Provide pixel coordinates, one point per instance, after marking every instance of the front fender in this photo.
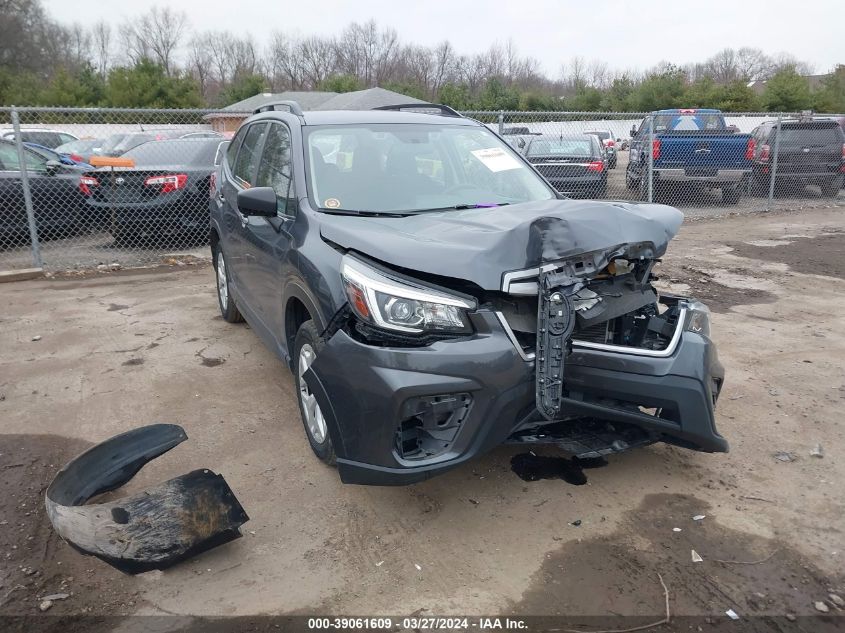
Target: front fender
(153, 529)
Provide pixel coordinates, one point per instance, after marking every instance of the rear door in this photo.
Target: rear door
(267, 241)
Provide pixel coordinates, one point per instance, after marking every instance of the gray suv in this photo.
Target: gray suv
(434, 297)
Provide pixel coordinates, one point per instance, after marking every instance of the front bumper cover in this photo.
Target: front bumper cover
(363, 391)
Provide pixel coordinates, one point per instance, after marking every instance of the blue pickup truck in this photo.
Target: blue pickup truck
(691, 148)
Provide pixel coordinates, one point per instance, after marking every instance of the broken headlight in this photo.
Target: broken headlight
(400, 305)
(698, 318)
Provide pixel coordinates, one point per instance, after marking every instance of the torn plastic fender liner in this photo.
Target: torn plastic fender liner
(153, 529)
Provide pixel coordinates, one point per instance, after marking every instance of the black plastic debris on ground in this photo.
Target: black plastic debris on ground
(531, 467)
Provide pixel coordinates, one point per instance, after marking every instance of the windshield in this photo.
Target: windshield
(414, 167)
(580, 148)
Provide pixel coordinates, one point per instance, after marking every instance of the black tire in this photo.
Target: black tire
(731, 195)
(124, 238)
(308, 335)
(759, 186)
(831, 188)
(631, 183)
(228, 308)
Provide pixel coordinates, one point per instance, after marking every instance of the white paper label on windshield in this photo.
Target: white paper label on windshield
(496, 159)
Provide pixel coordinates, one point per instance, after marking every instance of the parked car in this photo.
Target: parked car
(51, 154)
(80, 151)
(47, 138)
(54, 187)
(134, 139)
(810, 152)
(692, 148)
(434, 297)
(574, 165)
(164, 194)
(607, 140)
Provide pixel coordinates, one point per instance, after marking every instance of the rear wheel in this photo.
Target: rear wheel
(731, 195)
(228, 309)
(831, 188)
(631, 183)
(307, 346)
(123, 237)
(759, 186)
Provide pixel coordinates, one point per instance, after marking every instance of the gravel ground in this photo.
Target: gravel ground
(118, 350)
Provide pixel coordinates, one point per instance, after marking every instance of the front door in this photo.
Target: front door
(267, 241)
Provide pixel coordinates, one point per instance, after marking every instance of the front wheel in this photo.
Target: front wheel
(228, 309)
(307, 346)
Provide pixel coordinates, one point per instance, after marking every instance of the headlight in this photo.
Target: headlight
(400, 305)
(698, 318)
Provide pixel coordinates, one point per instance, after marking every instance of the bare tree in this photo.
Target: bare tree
(101, 44)
(574, 74)
(155, 35)
(367, 52)
(201, 62)
(283, 63)
(317, 58)
(444, 66)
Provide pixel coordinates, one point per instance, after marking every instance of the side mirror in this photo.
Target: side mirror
(258, 201)
(52, 166)
(633, 131)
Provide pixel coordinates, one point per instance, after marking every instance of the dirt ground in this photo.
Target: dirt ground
(122, 350)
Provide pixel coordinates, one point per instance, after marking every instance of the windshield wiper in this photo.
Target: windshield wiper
(368, 214)
(465, 205)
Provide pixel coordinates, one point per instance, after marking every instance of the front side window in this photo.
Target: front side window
(415, 167)
(249, 153)
(274, 170)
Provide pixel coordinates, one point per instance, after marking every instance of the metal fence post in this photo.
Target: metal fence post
(774, 165)
(651, 159)
(501, 122)
(27, 194)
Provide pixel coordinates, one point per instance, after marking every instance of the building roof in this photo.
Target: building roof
(307, 100)
(313, 101)
(363, 100)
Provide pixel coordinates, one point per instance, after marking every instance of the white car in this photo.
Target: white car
(41, 136)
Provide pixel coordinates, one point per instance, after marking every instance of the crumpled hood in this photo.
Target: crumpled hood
(478, 245)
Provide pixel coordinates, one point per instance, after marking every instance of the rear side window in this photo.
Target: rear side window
(249, 153)
(275, 169)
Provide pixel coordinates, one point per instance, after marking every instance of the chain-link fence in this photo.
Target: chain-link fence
(81, 188)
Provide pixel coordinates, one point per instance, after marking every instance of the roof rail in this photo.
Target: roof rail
(444, 109)
(291, 106)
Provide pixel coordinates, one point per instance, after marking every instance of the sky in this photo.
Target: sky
(622, 34)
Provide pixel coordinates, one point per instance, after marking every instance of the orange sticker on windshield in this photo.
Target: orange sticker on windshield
(332, 203)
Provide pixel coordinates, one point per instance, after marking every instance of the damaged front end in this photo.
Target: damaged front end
(572, 346)
(600, 311)
(152, 529)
